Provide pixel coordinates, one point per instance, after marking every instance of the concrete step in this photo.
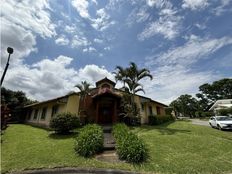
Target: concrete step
(109, 142)
(107, 129)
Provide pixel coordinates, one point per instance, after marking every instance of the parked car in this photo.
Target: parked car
(221, 122)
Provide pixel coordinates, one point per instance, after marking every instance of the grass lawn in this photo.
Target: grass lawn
(179, 147)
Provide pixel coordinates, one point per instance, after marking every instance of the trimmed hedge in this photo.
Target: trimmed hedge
(63, 123)
(90, 140)
(128, 146)
(159, 119)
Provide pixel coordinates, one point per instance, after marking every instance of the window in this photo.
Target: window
(158, 110)
(54, 109)
(29, 114)
(150, 110)
(142, 106)
(44, 112)
(35, 114)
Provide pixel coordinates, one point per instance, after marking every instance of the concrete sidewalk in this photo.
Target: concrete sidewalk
(200, 122)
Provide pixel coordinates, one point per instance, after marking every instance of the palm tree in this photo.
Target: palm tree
(84, 88)
(134, 75)
(131, 76)
(120, 75)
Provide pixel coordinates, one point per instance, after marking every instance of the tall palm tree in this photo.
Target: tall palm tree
(84, 88)
(134, 75)
(120, 74)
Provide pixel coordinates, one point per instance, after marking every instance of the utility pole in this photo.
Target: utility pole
(10, 51)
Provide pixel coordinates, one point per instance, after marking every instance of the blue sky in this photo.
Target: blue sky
(184, 43)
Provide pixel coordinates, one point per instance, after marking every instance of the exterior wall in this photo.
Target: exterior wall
(146, 111)
(69, 104)
(73, 104)
(38, 120)
(44, 122)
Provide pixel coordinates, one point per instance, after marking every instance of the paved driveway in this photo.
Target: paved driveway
(200, 122)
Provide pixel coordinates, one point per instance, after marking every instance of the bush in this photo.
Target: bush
(128, 146)
(201, 114)
(159, 119)
(226, 111)
(119, 130)
(89, 141)
(63, 123)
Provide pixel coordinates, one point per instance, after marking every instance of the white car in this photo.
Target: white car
(221, 122)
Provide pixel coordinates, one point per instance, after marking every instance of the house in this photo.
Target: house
(102, 106)
(221, 104)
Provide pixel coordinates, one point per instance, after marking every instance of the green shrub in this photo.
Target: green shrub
(226, 111)
(119, 130)
(128, 146)
(89, 141)
(63, 123)
(202, 114)
(159, 119)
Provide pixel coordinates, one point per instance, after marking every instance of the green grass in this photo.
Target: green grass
(178, 147)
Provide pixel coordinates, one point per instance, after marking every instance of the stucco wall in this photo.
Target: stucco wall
(46, 121)
(73, 104)
(146, 111)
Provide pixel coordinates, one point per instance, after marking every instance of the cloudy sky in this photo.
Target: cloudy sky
(58, 44)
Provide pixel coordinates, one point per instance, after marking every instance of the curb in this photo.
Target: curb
(74, 171)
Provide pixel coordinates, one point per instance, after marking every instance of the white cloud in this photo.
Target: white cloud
(31, 15)
(167, 25)
(21, 40)
(172, 81)
(82, 7)
(89, 49)
(98, 40)
(70, 29)
(62, 40)
(79, 41)
(103, 21)
(159, 3)
(42, 81)
(93, 73)
(195, 4)
(200, 26)
(138, 15)
(192, 51)
(219, 10)
(173, 75)
(107, 48)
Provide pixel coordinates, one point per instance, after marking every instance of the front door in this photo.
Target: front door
(105, 115)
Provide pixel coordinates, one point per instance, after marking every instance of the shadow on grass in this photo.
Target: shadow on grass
(163, 129)
(54, 135)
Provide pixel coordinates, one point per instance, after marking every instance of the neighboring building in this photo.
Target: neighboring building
(102, 106)
(221, 104)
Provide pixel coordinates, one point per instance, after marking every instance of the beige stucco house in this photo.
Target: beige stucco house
(102, 106)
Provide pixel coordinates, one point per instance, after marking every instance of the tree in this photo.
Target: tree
(131, 76)
(210, 93)
(120, 74)
(134, 75)
(14, 99)
(185, 105)
(12, 103)
(84, 88)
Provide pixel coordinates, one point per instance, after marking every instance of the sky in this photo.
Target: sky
(57, 44)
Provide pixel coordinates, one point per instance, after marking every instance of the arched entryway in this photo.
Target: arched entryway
(106, 108)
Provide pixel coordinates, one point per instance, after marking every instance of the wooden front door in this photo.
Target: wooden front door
(105, 115)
